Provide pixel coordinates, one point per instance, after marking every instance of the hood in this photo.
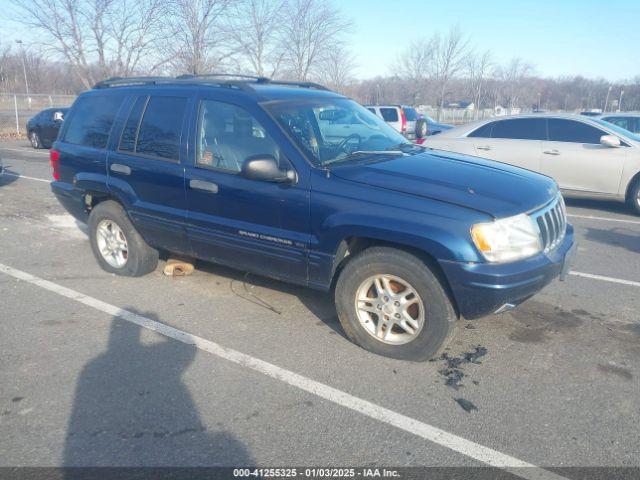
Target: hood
(493, 188)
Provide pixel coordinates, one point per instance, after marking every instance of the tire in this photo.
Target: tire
(34, 138)
(421, 128)
(139, 259)
(438, 318)
(633, 199)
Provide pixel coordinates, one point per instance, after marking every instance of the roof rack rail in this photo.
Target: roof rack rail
(123, 81)
(256, 79)
(189, 76)
(292, 83)
(233, 80)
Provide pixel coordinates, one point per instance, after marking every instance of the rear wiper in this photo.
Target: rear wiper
(362, 153)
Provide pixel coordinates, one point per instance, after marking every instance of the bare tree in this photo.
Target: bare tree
(478, 68)
(338, 68)
(449, 53)
(198, 43)
(415, 65)
(311, 28)
(98, 38)
(416, 61)
(513, 77)
(135, 37)
(254, 29)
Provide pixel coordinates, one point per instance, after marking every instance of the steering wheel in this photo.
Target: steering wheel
(345, 141)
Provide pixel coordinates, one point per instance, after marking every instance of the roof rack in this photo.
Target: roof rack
(126, 81)
(189, 76)
(244, 81)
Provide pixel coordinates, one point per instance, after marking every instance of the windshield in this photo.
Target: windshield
(619, 130)
(336, 129)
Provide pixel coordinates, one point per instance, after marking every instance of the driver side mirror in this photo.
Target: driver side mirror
(266, 169)
(610, 141)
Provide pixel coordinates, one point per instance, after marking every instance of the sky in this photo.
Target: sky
(593, 38)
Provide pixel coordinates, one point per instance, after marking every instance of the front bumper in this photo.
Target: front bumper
(482, 288)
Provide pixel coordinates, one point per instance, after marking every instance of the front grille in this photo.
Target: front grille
(552, 222)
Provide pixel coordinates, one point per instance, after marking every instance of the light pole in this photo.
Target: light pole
(24, 67)
(606, 102)
(620, 100)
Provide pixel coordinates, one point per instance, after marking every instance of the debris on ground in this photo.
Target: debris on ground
(470, 326)
(178, 268)
(453, 373)
(466, 405)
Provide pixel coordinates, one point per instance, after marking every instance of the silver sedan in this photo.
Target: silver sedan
(586, 156)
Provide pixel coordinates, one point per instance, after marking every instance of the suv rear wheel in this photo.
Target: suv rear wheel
(116, 244)
(390, 303)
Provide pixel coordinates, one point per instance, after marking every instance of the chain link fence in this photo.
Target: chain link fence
(459, 116)
(17, 108)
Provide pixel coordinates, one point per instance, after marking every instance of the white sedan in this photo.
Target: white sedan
(587, 157)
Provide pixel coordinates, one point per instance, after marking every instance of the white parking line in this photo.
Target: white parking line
(369, 409)
(603, 219)
(25, 177)
(606, 279)
(26, 150)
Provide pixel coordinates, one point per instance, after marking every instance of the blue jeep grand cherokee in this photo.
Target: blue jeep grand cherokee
(298, 183)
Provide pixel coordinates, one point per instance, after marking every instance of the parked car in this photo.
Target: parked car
(586, 156)
(403, 119)
(434, 127)
(628, 120)
(42, 129)
(243, 173)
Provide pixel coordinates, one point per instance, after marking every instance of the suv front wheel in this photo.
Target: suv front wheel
(116, 244)
(390, 303)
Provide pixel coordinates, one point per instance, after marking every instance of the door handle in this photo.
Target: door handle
(204, 186)
(119, 168)
(551, 152)
(484, 147)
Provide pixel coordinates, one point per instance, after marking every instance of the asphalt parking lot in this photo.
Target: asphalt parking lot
(257, 372)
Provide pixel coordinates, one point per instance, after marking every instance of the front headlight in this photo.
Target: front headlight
(507, 239)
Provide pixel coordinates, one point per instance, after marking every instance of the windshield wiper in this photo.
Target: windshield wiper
(362, 153)
(403, 147)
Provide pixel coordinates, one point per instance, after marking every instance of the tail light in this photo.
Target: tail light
(403, 119)
(54, 158)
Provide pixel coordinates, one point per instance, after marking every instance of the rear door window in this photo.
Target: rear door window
(520, 129)
(91, 120)
(161, 127)
(389, 114)
(130, 131)
(563, 130)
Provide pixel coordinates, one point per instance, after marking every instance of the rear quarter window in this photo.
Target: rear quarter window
(483, 132)
(389, 114)
(91, 120)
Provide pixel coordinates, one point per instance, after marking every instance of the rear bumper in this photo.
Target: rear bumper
(71, 199)
(482, 288)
